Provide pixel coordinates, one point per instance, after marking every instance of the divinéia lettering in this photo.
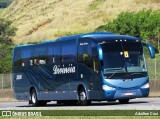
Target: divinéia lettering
(63, 70)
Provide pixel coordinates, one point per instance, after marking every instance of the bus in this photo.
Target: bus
(78, 69)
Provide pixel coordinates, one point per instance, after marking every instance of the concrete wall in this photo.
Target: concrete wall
(154, 87)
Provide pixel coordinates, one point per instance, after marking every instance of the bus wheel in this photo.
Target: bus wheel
(34, 99)
(123, 101)
(82, 98)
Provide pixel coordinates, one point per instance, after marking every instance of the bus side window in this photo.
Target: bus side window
(69, 51)
(39, 61)
(57, 53)
(84, 53)
(40, 57)
(50, 53)
(18, 58)
(26, 54)
(85, 57)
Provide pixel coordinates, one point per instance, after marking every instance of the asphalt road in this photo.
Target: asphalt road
(134, 104)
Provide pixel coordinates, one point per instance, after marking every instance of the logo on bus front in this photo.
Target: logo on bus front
(64, 70)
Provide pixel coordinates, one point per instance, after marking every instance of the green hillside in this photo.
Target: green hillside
(38, 20)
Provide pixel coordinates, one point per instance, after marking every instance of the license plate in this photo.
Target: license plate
(128, 93)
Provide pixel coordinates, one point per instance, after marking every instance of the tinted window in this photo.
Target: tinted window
(17, 57)
(40, 56)
(123, 56)
(69, 51)
(57, 53)
(26, 54)
(85, 51)
(51, 53)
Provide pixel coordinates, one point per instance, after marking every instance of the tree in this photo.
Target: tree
(144, 24)
(5, 58)
(7, 31)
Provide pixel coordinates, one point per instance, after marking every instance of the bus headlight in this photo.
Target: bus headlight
(105, 87)
(145, 86)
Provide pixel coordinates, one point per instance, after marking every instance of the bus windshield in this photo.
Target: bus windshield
(123, 57)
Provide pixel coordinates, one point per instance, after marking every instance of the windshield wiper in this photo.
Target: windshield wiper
(119, 71)
(113, 69)
(133, 74)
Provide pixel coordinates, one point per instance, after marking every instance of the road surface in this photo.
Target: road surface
(134, 104)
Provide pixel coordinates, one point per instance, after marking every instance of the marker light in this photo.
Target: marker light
(105, 87)
(100, 53)
(145, 86)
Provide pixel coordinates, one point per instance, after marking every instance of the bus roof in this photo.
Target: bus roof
(97, 36)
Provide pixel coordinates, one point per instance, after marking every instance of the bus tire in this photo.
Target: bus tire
(82, 96)
(123, 101)
(34, 99)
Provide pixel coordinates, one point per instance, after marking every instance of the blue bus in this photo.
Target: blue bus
(78, 69)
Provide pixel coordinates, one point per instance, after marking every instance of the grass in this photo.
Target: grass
(95, 4)
(2, 11)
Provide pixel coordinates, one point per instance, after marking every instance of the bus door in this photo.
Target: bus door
(96, 68)
(87, 64)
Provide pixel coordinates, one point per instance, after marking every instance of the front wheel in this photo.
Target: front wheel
(83, 98)
(123, 101)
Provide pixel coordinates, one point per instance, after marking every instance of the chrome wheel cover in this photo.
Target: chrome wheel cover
(82, 96)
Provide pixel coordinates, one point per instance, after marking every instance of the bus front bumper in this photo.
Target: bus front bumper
(126, 94)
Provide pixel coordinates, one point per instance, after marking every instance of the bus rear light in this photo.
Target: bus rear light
(105, 87)
(145, 86)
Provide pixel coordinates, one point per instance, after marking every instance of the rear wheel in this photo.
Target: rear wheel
(123, 101)
(34, 100)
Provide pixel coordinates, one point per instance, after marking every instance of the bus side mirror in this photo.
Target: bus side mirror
(150, 48)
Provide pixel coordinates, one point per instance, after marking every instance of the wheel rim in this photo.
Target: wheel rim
(33, 97)
(82, 96)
